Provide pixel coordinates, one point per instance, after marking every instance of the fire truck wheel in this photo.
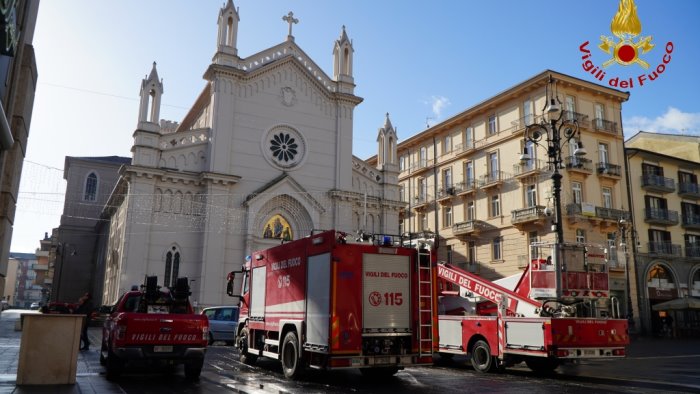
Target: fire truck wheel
(291, 360)
(193, 369)
(114, 366)
(245, 357)
(542, 365)
(482, 360)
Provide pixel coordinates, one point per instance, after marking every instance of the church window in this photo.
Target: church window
(90, 187)
(283, 147)
(172, 267)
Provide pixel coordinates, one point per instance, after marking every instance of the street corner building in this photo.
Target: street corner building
(263, 155)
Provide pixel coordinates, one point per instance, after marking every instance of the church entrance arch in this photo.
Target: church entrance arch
(661, 286)
(282, 218)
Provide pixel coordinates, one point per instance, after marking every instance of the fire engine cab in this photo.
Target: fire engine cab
(325, 302)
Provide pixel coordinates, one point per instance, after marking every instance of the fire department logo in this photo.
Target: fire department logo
(375, 298)
(625, 49)
(626, 27)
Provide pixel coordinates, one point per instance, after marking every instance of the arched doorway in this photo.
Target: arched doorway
(661, 287)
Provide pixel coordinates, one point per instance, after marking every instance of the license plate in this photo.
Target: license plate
(589, 352)
(162, 349)
(382, 360)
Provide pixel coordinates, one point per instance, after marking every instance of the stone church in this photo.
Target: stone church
(263, 155)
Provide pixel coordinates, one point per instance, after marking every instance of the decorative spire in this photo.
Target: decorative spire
(387, 123)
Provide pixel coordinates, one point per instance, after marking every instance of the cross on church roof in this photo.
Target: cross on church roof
(291, 20)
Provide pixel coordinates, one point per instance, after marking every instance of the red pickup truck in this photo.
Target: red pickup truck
(154, 325)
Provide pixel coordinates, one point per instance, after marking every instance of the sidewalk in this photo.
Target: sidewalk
(89, 377)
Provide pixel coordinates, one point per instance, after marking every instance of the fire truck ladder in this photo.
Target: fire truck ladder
(425, 303)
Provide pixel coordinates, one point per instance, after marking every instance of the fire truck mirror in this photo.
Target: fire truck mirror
(229, 284)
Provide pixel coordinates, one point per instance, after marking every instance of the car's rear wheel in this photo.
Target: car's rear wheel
(114, 366)
(193, 369)
(211, 339)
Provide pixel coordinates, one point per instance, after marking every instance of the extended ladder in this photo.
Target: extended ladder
(425, 301)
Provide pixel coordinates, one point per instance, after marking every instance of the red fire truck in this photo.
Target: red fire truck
(324, 302)
(540, 322)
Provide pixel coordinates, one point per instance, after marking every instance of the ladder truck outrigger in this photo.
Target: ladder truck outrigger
(534, 322)
(326, 302)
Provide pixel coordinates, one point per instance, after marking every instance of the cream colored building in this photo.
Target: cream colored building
(263, 155)
(463, 179)
(665, 201)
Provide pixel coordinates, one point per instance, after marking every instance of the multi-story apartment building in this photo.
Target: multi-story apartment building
(665, 202)
(463, 178)
(18, 75)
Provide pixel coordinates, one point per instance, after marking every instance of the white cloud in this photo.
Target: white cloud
(437, 104)
(673, 121)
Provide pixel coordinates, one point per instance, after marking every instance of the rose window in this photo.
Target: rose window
(283, 147)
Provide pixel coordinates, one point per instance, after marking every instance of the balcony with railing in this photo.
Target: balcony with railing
(421, 165)
(687, 189)
(609, 170)
(445, 193)
(580, 118)
(692, 251)
(467, 227)
(612, 214)
(578, 164)
(523, 122)
(463, 149)
(664, 248)
(664, 217)
(691, 221)
(599, 215)
(421, 201)
(607, 126)
(529, 215)
(528, 168)
(465, 188)
(492, 179)
(658, 183)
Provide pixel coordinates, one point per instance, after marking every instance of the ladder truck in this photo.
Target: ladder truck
(325, 302)
(534, 322)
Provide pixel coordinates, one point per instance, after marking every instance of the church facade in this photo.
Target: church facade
(263, 155)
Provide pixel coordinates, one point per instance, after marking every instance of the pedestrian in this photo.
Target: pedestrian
(668, 322)
(85, 308)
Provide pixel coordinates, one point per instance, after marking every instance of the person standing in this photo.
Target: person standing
(85, 308)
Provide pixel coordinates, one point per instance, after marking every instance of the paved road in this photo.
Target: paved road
(653, 366)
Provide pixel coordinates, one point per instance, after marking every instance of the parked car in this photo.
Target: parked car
(223, 321)
(34, 306)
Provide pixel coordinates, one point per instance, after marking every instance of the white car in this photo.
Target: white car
(34, 306)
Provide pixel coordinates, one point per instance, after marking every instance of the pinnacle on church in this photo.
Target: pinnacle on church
(154, 73)
(343, 36)
(387, 123)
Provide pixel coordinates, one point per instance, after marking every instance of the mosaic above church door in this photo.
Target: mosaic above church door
(278, 227)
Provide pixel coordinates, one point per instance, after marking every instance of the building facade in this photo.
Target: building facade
(18, 76)
(463, 179)
(75, 244)
(665, 202)
(264, 155)
(27, 289)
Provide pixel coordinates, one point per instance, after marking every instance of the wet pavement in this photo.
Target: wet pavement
(652, 365)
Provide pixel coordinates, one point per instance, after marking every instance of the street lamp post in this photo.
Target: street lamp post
(623, 227)
(552, 132)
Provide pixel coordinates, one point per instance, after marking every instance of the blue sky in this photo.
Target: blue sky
(420, 61)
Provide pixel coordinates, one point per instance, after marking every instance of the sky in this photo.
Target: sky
(422, 62)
